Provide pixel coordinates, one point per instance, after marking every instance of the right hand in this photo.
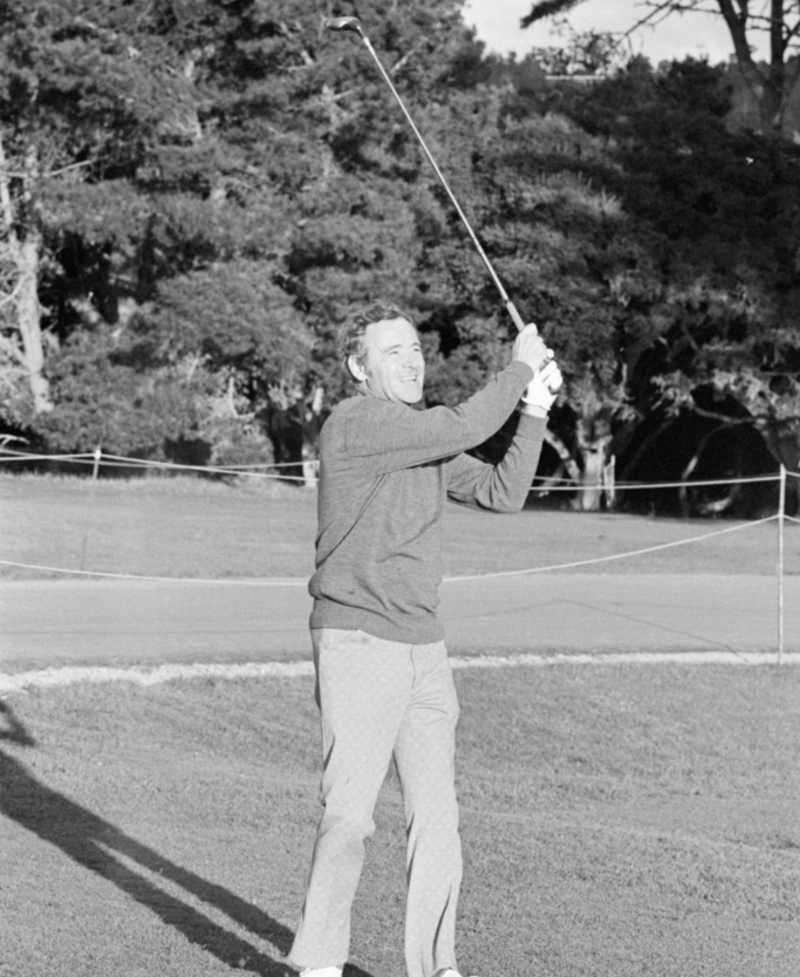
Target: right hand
(531, 349)
(542, 391)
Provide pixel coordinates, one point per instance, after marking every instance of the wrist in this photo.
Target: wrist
(533, 410)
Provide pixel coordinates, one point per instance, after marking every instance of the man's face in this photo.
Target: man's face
(394, 367)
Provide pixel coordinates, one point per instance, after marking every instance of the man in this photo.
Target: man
(384, 686)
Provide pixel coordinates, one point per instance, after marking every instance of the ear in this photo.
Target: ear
(357, 371)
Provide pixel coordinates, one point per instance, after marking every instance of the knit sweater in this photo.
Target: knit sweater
(386, 471)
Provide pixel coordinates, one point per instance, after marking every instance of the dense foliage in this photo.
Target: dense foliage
(195, 192)
(765, 51)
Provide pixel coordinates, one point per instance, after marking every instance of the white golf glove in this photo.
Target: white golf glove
(542, 391)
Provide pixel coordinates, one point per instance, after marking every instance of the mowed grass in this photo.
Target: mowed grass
(187, 527)
(617, 821)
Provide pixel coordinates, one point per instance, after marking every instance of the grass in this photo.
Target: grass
(616, 821)
(162, 527)
(192, 528)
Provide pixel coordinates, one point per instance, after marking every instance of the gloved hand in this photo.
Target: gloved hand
(542, 391)
(530, 348)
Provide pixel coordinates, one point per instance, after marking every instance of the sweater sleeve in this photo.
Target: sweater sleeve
(504, 487)
(386, 437)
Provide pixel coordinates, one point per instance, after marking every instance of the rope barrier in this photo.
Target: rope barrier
(294, 582)
(243, 581)
(97, 458)
(17, 456)
(213, 471)
(615, 556)
(548, 482)
(619, 486)
(228, 469)
(121, 461)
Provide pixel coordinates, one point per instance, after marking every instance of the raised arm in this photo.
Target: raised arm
(505, 486)
(389, 436)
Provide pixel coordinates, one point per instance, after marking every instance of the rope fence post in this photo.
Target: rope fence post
(97, 456)
(609, 482)
(781, 520)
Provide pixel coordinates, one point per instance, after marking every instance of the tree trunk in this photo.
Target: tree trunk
(766, 97)
(24, 251)
(29, 322)
(592, 478)
(595, 460)
(593, 437)
(790, 107)
(563, 453)
(311, 426)
(784, 445)
(756, 106)
(689, 506)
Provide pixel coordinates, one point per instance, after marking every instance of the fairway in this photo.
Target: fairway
(203, 571)
(399, 419)
(618, 819)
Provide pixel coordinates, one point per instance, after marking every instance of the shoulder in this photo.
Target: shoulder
(343, 409)
(362, 407)
(356, 410)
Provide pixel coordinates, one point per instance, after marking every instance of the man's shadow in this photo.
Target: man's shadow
(95, 844)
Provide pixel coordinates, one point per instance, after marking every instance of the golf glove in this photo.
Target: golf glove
(542, 391)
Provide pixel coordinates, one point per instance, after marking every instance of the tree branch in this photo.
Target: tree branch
(737, 26)
(5, 197)
(547, 8)
(12, 295)
(776, 42)
(725, 419)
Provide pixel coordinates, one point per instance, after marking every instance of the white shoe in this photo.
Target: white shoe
(322, 972)
(447, 972)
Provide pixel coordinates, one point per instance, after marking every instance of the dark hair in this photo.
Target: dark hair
(352, 331)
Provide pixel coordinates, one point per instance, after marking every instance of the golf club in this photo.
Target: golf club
(353, 25)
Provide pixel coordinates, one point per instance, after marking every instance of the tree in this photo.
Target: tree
(80, 99)
(22, 351)
(560, 241)
(557, 239)
(766, 95)
(745, 375)
(713, 331)
(180, 143)
(370, 210)
(121, 177)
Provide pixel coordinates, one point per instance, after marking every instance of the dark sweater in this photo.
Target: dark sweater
(386, 471)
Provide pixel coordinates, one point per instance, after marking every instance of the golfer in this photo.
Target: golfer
(383, 681)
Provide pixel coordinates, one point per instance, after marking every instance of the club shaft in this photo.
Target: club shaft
(510, 307)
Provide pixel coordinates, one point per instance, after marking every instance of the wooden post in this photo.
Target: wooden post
(98, 454)
(609, 482)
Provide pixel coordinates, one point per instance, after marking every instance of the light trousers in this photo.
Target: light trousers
(380, 700)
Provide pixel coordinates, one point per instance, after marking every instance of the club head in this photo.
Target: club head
(352, 24)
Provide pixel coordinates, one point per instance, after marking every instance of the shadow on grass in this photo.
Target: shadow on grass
(97, 845)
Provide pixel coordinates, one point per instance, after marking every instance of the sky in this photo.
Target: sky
(679, 36)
